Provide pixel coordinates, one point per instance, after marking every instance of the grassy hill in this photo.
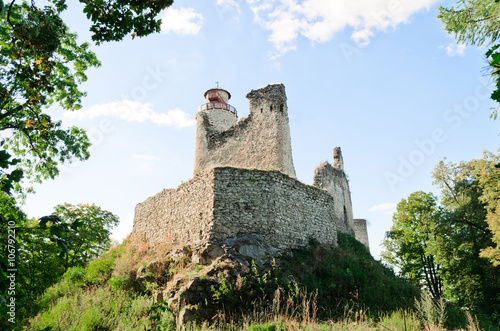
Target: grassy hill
(136, 287)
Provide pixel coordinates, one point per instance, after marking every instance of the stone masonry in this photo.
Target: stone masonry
(244, 184)
(261, 140)
(334, 181)
(225, 202)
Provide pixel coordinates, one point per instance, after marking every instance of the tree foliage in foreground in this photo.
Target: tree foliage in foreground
(407, 243)
(46, 248)
(41, 64)
(461, 236)
(475, 22)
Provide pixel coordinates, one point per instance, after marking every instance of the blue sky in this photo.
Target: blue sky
(379, 78)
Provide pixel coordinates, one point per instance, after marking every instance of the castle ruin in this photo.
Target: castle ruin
(244, 184)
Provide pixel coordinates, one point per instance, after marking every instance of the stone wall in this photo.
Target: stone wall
(284, 211)
(334, 181)
(182, 215)
(361, 231)
(224, 202)
(261, 140)
(217, 119)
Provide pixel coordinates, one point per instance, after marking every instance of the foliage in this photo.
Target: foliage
(280, 301)
(471, 280)
(475, 22)
(99, 309)
(408, 243)
(432, 312)
(456, 234)
(46, 248)
(340, 279)
(42, 64)
(92, 229)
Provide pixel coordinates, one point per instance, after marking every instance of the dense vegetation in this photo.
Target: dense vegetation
(342, 287)
(451, 248)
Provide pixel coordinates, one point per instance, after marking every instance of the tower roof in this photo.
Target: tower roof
(216, 90)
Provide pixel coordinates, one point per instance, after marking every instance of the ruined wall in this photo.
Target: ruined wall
(261, 140)
(361, 231)
(218, 119)
(182, 215)
(223, 202)
(334, 181)
(284, 211)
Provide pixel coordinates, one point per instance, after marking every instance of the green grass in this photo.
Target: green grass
(315, 288)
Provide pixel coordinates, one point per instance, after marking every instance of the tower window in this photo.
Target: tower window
(281, 108)
(271, 108)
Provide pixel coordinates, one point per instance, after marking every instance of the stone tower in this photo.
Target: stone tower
(260, 141)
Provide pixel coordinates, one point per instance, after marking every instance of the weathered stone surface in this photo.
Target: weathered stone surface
(186, 316)
(361, 231)
(261, 140)
(334, 181)
(250, 246)
(283, 211)
(183, 215)
(157, 297)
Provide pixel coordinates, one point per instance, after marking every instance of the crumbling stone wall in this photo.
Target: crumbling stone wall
(361, 231)
(334, 181)
(224, 202)
(218, 119)
(261, 140)
(284, 211)
(182, 215)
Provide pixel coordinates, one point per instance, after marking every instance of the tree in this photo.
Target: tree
(92, 229)
(488, 174)
(44, 249)
(41, 64)
(456, 234)
(475, 22)
(408, 242)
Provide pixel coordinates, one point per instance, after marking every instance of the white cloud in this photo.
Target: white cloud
(134, 111)
(386, 208)
(183, 21)
(229, 5)
(455, 49)
(319, 20)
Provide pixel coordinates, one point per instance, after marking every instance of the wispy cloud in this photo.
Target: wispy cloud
(183, 21)
(455, 49)
(229, 5)
(386, 208)
(134, 111)
(319, 20)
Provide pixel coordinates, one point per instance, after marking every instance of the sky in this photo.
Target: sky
(379, 78)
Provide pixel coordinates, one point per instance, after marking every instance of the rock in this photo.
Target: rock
(196, 290)
(157, 297)
(156, 267)
(186, 316)
(204, 255)
(251, 246)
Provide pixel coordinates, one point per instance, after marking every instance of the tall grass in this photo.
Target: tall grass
(316, 288)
